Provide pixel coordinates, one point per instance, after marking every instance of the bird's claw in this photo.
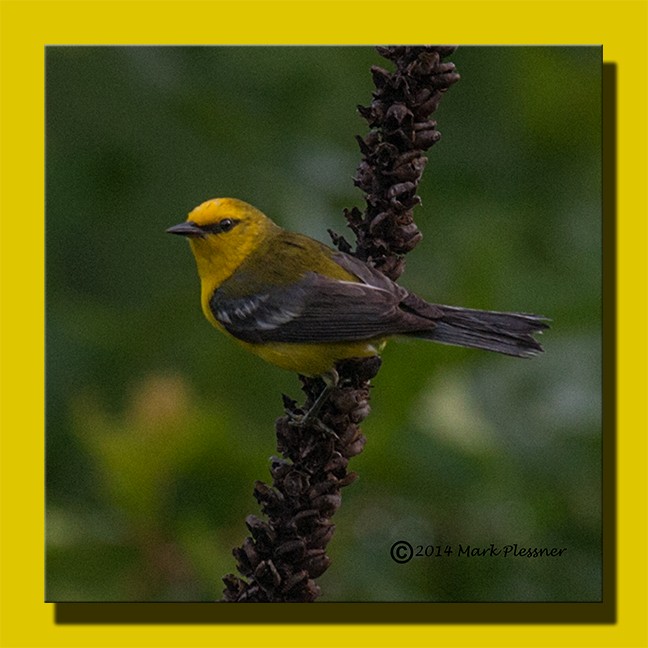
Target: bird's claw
(309, 419)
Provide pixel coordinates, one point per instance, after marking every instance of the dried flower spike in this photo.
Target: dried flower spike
(284, 556)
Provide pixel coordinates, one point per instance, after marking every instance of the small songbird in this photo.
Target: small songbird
(304, 306)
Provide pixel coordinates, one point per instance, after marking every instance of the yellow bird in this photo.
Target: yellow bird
(304, 306)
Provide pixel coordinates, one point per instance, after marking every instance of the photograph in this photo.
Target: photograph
(324, 324)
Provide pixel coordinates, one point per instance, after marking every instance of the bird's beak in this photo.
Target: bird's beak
(188, 228)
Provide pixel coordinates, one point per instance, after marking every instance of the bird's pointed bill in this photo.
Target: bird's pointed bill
(187, 228)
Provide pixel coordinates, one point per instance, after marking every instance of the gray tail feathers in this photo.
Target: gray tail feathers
(509, 333)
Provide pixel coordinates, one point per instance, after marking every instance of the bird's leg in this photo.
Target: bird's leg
(331, 380)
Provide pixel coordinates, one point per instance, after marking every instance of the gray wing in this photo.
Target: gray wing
(318, 309)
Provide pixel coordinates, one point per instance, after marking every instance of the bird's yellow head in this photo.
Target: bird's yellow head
(222, 232)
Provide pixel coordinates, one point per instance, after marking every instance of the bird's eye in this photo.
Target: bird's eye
(224, 225)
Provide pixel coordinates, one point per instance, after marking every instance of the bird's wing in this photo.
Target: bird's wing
(315, 309)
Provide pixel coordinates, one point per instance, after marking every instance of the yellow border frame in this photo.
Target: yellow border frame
(27, 26)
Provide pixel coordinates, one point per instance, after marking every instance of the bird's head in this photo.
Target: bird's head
(223, 232)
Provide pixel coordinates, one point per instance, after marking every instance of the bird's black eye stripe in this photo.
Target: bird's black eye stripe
(224, 225)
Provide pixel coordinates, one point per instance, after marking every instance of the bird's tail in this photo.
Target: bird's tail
(509, 333)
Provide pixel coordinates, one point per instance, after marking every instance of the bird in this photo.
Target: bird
(304, 306)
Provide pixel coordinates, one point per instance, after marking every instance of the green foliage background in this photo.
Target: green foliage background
(157, 426)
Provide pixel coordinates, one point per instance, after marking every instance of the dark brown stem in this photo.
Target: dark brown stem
(393, 152)
(285, 554)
